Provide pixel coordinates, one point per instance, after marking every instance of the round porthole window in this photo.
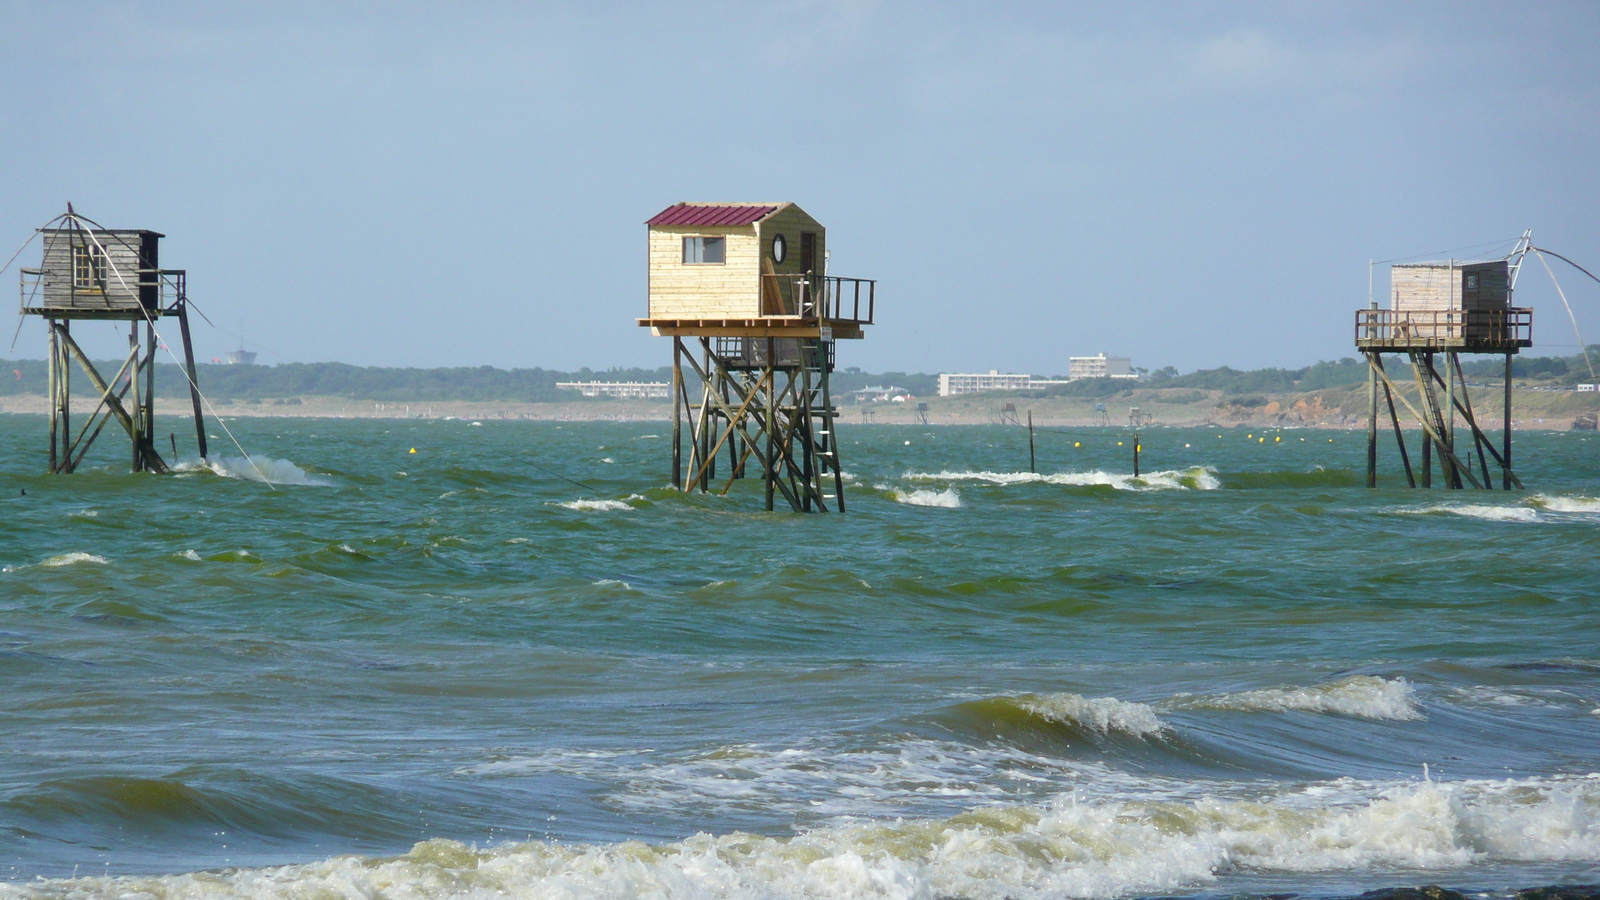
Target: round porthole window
(780, 248)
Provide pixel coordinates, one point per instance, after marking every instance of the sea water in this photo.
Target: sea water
(516, 663)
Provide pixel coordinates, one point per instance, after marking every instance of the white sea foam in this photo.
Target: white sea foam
(256, 468)
(595, 505)
(947, 498)
(1578, 505)
(190, 555)
(1362, 696)
(72, 559)
(1193, 478)
(1065, 848)
(1102, 714)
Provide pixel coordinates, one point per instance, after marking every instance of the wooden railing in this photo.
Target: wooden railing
(1445, 328)
(826, 297)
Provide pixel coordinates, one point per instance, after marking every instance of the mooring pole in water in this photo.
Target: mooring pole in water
(1136, 454)
(1032, 465)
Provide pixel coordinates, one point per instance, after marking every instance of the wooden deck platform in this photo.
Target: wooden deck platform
(755, 327)
(1452, 330)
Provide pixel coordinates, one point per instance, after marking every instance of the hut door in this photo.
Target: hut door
(808, 251)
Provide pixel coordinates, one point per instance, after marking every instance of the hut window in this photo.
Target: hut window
(1472, 282)
(704, 250)
(780, 249)
(88, 266)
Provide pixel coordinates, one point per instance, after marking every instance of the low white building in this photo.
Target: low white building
(951, 384)
(1099, 366)
(630, 390)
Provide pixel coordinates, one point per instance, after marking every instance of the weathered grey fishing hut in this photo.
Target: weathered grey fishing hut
(749, 283)
(1445, 309)
(108, 275)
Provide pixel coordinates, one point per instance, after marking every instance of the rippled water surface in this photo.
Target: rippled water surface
(455, 673)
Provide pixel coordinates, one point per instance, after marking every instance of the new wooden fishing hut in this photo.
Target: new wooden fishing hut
(748, 283)
(90, 273)
(1442, 310)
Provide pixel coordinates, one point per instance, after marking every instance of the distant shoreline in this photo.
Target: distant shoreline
(1334, 408)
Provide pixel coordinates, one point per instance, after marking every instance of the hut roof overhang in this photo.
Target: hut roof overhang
(715, 213)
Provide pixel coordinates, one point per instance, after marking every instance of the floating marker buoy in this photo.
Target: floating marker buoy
(1277, 439)
(1119, 443)
(1330, 440)
(1077, 444)
(908, 443)
(413, 449)
(1261, 440)
(1185, 446)
(1248, 436)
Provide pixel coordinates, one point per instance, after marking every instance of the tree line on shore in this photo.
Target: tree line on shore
(487, 383)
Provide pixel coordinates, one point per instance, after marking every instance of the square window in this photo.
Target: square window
(704, 250)
(1472, 282)
(88, 267)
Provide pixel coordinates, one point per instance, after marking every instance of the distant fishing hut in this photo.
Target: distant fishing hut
(107, 275)
(748, 282)
(1444, 309)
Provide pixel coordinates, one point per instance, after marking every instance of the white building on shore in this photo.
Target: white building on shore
(951, 384)
(1099, 366)
(628, 390)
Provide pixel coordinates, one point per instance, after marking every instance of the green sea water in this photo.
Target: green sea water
(516, 663)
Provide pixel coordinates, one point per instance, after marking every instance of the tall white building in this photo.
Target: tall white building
(1099, 366)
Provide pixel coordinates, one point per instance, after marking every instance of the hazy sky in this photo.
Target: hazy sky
(466, 183)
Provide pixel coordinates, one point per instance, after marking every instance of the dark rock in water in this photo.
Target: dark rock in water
(1561, 892)
(1427, 892)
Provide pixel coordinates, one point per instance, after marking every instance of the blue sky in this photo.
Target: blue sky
(465, 184)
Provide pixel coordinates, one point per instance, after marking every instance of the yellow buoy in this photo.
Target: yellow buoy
(1077, 444)
(413, 449)
(1136, 447)
(1119, 443)
(1277, 439)
(1248, 436)
(1261, 440)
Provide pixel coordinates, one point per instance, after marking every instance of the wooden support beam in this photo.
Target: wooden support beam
(1428, 429)
(112, 402)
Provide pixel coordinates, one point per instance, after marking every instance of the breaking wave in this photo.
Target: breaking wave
(601, 505)
(947, 498)
(72, 559)
(1068, 847)
(1100, 716)
(1361, 696)
(1193, 478)
(255, 468)
(1581, 505)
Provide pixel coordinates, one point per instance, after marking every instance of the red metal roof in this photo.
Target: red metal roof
(712, 214)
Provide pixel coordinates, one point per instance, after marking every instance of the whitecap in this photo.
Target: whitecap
(1102, 714)
(1069, 847)
(947, 498)
(1192, 478)
(1361, 696)
(72, 559)
(256, 468)
(596, 505)
(1580, 505)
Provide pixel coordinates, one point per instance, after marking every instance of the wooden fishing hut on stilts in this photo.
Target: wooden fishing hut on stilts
(748, 283)
(1442, 310)
(90, 273)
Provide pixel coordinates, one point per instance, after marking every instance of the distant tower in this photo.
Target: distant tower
(1447, 308)
(100, 274)
(748, 282)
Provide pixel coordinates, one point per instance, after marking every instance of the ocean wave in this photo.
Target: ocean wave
(1361, 696)
(1580, 505)
(1066, 848)
(1192, 478)
(255, 468)
(948, 498)
(72, 559)
(1477, 511)
(1102, 714)
(596, 505)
